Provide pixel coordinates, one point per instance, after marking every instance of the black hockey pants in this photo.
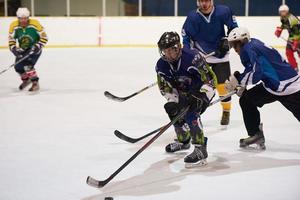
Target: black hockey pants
(259, 96)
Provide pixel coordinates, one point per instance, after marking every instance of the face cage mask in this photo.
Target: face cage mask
(175, 47)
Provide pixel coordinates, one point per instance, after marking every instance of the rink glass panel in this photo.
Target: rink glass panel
(86, 7)
(185, 6)
(50, 8)
(264, 8)
(158, 8)
(294, 6)
(238, 7)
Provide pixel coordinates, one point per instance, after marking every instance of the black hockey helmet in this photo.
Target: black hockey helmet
(167, 40)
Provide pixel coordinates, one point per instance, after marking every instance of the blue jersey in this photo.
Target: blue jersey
(182, 77)
(205, 32)
(263, 63)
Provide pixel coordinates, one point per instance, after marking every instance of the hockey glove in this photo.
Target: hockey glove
(35, 49)
(278, 31)
(223, 48)
(198, 101)
(173, 109)
(233, 84)
(18, 52)
(198, 61)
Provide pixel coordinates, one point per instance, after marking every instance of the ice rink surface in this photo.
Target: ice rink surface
(51, 141)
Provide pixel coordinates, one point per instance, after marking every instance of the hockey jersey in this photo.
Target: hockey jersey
(292, 24)
(264, 63)
(205, 32)
(26, 37)
(182, 77)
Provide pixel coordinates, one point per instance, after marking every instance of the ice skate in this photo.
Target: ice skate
(35, 86)
(177, 146)
(258, 140)
(225, 118)
(198, 157)
(24, 84)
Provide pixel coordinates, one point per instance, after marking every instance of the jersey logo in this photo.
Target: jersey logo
(25, 42)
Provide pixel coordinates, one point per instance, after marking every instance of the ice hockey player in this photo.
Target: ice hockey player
(31, 38)
(275, 78)
(184, 79)
(292, 24)
(204, 30)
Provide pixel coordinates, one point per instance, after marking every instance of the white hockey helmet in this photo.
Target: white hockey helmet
(238, 34)
(23, 12)
(283, 8)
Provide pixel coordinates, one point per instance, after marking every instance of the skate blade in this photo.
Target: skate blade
(224, 127)
(254, 147)
(197, 164)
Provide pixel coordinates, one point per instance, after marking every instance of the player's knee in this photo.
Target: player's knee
(19, 69)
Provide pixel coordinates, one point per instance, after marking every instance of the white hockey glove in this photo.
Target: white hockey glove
(233, 84)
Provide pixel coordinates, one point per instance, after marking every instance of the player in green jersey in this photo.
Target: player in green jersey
(292, 24)
(27, 37)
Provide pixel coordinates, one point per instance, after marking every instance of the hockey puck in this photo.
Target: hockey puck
(108, 198)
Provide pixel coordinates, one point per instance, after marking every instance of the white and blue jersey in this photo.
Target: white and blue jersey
(265, 64)
(205, 32)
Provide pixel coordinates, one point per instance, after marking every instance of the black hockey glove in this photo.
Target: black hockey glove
(35, 49)
(223, 48)
(198, 101)
(173, 109)
(198, 61)
(18, 52)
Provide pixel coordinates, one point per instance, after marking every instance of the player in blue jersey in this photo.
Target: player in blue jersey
(203, 30)
(275, 78)
(184, 79)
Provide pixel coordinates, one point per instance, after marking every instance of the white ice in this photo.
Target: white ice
(51, 141)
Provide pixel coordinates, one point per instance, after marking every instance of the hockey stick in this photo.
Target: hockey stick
(99, 184)
(288, 41)
(121, 99)
(134, 140)
(22, 59)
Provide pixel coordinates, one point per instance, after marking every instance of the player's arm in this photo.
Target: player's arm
(40, 30)
(186, 32)
(12, 43)
(202, 71)
(203, 93)
(230, 20)
(166, 88)
(295, 26)
(251, 75)
(36, 48)
(253, 70)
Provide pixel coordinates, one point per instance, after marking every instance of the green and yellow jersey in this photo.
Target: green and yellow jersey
(292, 24)
(27, 36)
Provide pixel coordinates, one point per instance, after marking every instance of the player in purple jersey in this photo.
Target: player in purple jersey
(275, 78)
(204, 30)
(184, 79)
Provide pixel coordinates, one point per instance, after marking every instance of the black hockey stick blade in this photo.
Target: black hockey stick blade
(95, 183)
(134, 140)
(121, 99)
(115, 98)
